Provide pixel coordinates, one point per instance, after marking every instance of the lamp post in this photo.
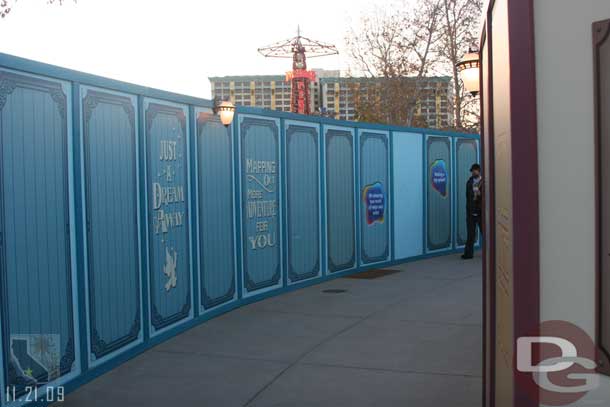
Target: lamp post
(226, 111)
(468, 68)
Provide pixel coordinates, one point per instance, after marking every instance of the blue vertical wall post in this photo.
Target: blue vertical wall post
(283, 164)
(425, 192)
(74, 244)
(391, 185)
(193, 209)
(357, 199)
(454, 194)
(143, 218)
(80, 225)
(192, 216)
(454, 189)
(238, 203)
(322, 176)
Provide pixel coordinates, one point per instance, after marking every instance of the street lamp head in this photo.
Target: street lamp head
(468, 68)
(226, 111)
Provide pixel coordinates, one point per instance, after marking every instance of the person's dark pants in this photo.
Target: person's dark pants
(473, 222)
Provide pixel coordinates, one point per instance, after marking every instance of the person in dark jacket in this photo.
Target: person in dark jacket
(474, 197)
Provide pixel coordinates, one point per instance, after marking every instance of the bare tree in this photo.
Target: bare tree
(400, 49)
(403, 47)
(458, 31)
(7, 5)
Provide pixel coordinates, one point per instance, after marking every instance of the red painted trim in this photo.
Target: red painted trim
(598, 197)
(490, 207)
(524, 149)
(600, 33)
(482, 145)
(489, 240)
(524, 145)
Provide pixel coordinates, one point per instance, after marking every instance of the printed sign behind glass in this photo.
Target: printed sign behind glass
(438, 176)
(374, 200)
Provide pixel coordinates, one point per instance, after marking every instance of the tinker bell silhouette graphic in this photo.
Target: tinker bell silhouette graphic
(169, 269)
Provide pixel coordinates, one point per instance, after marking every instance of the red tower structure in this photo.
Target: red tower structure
(298, 48)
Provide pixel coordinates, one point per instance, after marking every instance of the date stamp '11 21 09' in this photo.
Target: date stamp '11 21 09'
(33, 394)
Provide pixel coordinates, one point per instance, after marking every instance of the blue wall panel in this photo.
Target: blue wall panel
(408, 195)
(374, 196)
(302, 200)
(439, 184)
(216, 210)
(465, 155)
(109, 131)
(340, 199)
(36, 259)
(260, 169)
(167, 189)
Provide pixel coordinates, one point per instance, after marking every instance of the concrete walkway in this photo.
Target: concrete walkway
(410, 339)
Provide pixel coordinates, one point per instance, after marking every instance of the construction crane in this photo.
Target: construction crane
(299, 48)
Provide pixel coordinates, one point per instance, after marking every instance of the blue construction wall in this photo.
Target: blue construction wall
(215, 222)
(374, 187)
(439, 195)
(109, 129)
(341, 221)
(303, 205)
(466, 153)
(407, 158)
(129, 214)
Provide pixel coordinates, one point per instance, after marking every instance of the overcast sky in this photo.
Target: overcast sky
(174, 44)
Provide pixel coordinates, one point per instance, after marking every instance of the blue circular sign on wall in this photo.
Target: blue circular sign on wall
(438, 176)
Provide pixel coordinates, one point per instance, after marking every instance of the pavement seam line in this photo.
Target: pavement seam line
(401, 371)
(221, 356)
(301, 357)
(309, 314)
